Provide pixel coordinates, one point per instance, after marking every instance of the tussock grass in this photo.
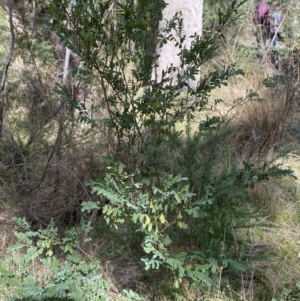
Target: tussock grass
(264, 128)
(278, 240)
(261, 124)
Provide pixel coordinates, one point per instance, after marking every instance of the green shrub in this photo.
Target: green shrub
(290, 294)
(193, 235)
(46, 266)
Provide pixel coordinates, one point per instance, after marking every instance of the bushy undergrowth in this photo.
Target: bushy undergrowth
(190, 229)
(186, 205)
(44, 265)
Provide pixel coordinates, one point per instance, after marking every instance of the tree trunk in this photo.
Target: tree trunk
(33, 32)
(192, 23)
(61, 116)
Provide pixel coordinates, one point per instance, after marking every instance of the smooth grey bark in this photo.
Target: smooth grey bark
(192, 11)
(33, 32)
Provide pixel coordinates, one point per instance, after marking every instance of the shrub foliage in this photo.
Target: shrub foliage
(186, 202)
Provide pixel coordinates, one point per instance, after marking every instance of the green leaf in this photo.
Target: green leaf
(74, 258)
(177, 198)
(272, 82)
(49, 253)
(147, 220)
(15, 247)
(89, 206)
(162, 218)
(110, 210)
(135, 217)
(105, 209)
(182, 225)
(141, 217)
(214, 268)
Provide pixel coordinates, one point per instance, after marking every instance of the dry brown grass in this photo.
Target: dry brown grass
(279, 240)
(261, 124)
(7, 228)
(261, 121)
(262, 129)
(276, 242)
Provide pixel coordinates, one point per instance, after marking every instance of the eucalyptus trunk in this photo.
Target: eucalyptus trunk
(192, 23)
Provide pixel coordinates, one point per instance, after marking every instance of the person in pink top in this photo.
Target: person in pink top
(262, 22)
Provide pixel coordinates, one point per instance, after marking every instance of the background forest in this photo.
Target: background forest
(119, 183)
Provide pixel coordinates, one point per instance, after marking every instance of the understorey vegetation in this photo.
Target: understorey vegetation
(118, 184)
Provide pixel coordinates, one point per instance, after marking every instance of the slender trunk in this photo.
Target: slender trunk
(33, 32)
(192, 23)
(8, 60)
(64, 69)
(65, 78)
(62, 108)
